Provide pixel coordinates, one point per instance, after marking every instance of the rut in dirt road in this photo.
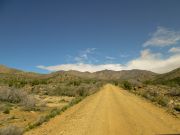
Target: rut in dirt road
(111, 111)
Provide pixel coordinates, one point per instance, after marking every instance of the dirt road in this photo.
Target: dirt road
(111, 111)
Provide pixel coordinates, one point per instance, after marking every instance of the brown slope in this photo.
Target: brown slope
(140, 75)
(170, 75)
(5, 69)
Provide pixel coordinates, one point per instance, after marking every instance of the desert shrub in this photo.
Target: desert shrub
(177, 108)
(171, 82)
(10, 95)
(39, 81)
(75, 101)
(11, 130)
(63, 101)
(52, 114)
(29, 103)
(44, 118)
(153, 93)
(82, 91)
(163, 101)
(38, 122)
(63, 90)
(75, 83)
(174, 92)
(127, 85)
(116, 83)
(43, 103)
(148, 96)
(147, 82)
(6, 110)
(17, 96)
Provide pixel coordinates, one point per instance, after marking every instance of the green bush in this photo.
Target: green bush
(163, 101)
(82, 91)
(174, 92)
(75, 101)
(127, 85)
(177, 108)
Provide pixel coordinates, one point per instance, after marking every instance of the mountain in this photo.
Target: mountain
(170, 75)
(171, 78)
(125, 74)
(116, 75)
(134, 75)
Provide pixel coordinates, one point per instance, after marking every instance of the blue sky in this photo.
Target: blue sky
(50, 35)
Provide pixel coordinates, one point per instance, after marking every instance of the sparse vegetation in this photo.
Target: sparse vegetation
(18, 90)
(11, 130)
(177, 108)
(53, 113)
(127, 85)
(163, 101)
(18, 96)
(6, 110)
(166, 96)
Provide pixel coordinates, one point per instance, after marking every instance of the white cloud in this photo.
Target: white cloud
(83, 67)
(163, 37)
(175, 50)
(147, 61)
(154, 62)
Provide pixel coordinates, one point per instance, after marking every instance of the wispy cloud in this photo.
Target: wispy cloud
(83, 57)
(147, 60)
(124, 55)
(175, 50)
(110, 58)
(163, 37)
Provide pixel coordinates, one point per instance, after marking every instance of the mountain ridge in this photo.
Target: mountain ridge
(134, 74)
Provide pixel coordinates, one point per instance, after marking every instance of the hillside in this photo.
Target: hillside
(135, 74)
(171, 78)
(170, 75)
(130, 75)
(4, 69)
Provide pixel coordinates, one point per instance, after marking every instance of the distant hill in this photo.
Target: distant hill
(4, 69)
(170, 78)
(170, 75)
(116, 75)
(134, 75)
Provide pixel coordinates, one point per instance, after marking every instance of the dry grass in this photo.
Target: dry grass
(20, 117)
(11, 130)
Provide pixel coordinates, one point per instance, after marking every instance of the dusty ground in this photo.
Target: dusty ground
(111, 111)
(21, 118)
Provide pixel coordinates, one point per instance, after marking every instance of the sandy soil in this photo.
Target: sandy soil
(111, 111)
